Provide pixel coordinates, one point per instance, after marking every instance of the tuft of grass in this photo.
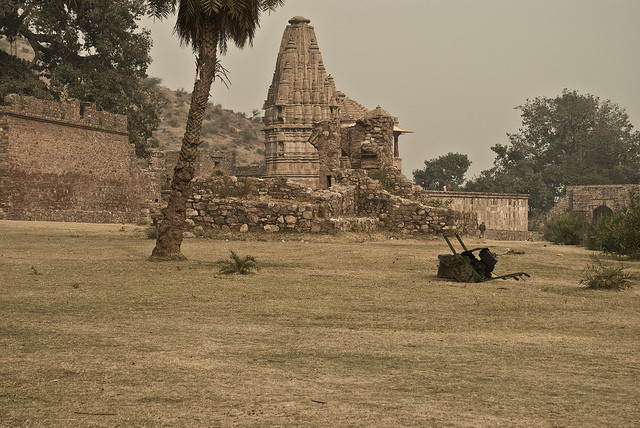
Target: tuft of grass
(152, 232)
(236, 264)
(601, 275)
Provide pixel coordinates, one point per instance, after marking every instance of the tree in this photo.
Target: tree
(91, 50)
(449, 168)
(571, 139)
(206, 25)
(16, 78)
(619, 233)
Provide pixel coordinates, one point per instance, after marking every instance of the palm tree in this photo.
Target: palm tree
(206, 25)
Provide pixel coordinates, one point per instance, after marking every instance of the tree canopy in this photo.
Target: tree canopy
(572, 139)
(449, 168)
(91, 50)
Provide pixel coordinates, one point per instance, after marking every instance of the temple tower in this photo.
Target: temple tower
(301, 93)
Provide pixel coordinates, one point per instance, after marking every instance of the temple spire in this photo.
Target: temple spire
(301, 93)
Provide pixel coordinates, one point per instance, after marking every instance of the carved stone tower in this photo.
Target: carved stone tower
(300, 95)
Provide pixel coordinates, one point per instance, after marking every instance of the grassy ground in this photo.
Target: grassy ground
(332, 331)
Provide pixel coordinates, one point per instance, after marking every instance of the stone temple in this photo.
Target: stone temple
(303, 94)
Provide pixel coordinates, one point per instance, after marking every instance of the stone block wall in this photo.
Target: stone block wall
(587, 199)
(369, 143)
(499, 211)
(356, 203)
(72, 112)
(68, 162)
(208, 162)
(401, 214)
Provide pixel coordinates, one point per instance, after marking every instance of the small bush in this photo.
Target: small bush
(571, 228)
(387, 182)
(620, 233)
(239, 265)
(436, 202)
(323, 211)
(605, 276)
(152, 232)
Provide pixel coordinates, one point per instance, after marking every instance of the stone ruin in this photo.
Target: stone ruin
(331, 165)
(301, 96)
(595, 201)
(322, 153)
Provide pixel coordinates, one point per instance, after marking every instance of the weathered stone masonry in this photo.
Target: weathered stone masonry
(499, 211)
(355, 203)
(596, 200)
(68, 162)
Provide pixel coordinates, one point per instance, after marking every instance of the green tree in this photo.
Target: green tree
(449, 168)
(91, 50)
(619, 233)
(16, 78)
(206, 25)
(571, 139)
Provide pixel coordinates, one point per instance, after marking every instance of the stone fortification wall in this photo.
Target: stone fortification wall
(68, 162)
(356, 203)
(499, 211)
(589, 199)
(73, 113)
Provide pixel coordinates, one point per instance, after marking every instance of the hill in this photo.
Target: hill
(222, 129)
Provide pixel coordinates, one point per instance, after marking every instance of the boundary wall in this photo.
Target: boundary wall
(68, 162)
(357, 204)
(595, 200)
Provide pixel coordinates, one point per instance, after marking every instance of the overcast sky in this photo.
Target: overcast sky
(451, 70)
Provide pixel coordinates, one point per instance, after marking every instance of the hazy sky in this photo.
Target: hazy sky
(451, 70)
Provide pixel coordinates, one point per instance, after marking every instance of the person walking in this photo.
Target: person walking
(482, 229)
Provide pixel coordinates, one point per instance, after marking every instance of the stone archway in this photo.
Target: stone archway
(600, 212)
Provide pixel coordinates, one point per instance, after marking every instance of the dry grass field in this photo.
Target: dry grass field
(341, 331)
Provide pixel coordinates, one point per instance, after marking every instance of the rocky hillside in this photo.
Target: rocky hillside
(221, 129)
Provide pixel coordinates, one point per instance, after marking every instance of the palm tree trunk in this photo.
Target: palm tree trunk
(172, 226)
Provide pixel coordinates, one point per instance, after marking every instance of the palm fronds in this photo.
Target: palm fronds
(236, 264)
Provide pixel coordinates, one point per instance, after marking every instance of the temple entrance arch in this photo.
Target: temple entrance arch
(601, 211)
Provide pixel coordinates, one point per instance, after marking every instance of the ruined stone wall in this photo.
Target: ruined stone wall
(369, 143)
(499, 211)
(68, 162)
(366, 144)
(405, 215)
(207, 163)
(355, 203)
(587, 199)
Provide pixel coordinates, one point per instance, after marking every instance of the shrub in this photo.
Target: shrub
(620, 233)
(570, 228)
(436, 202)
(152, 232)
(237, 264)
(323, 211)
(386, 181)
(605, 276)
